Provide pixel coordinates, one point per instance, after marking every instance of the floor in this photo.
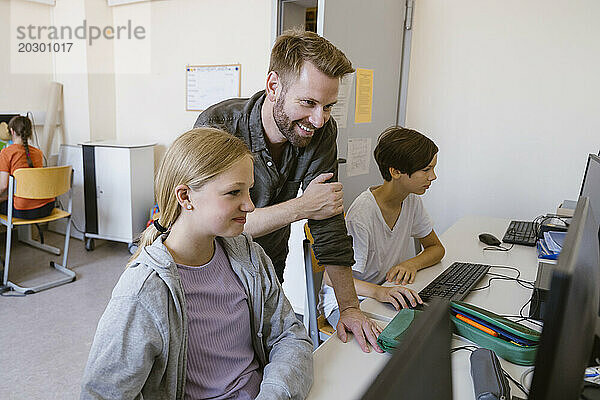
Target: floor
(45, 337)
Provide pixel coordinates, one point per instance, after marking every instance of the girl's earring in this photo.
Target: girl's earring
(189, 207)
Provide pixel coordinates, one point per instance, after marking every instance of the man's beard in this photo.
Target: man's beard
(286, 125)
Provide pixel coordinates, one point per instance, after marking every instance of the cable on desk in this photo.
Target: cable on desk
(470, 348)
(523, 308)
(540, 219)
(513, 269)
(517, 384)
(524, 376)
(528, 319)
(525, 284)
(499, 248)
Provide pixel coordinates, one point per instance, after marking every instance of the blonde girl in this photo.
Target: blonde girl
(199, 312)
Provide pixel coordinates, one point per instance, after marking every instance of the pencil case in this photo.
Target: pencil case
(393, 334)
(489, 381)
(508, 339)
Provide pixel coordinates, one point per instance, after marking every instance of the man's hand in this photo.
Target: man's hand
(401, 274)
(322, 200)
(353, 320)
(397, 296)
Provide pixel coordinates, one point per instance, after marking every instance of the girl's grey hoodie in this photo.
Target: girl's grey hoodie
(140, 347)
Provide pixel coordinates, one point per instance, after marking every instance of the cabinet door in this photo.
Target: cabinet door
(370, 33)
(113, 193)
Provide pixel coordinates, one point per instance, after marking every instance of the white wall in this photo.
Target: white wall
(151, 107)
(509, 92)
(22, 91)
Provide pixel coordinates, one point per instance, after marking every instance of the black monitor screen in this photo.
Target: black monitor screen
(568, 333)
(591, 184)
(7, 117)
(423, 358)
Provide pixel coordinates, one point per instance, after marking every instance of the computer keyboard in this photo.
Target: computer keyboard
(455, 282)
(521, 232)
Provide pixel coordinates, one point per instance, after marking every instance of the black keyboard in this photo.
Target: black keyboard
(521, 232)
(455, 282)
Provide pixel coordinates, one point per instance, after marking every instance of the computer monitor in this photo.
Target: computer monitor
(590, 187)
(568, 333)
(420, 368)
(7, 117)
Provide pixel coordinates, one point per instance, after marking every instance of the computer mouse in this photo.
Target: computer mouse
(489, 239)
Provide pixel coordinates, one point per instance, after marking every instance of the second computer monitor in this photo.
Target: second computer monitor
(590, 186)
(568, 333)
(420, 368)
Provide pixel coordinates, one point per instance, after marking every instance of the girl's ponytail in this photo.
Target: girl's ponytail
(26, 145)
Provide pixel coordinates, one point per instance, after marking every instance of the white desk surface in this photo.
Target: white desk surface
(343, 371)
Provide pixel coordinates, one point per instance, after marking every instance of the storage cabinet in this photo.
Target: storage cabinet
(118, 190)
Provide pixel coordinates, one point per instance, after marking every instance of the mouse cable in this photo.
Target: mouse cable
(523, 308)
(468, 347)
(520, 386)
(524, 376)
(525, 284)
(541, 219)
(499, 248)
(531, 320)
(501, 278)
(521, 281)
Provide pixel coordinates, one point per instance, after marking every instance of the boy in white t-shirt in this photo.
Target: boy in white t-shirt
(383, 219)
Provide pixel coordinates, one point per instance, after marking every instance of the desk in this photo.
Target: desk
(344, 371)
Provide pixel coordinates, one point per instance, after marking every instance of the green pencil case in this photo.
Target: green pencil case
(392, 335)
(508, 339)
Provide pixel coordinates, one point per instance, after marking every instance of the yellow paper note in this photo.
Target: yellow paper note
(364, 95)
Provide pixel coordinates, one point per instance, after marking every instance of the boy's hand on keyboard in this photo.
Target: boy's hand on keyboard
(398, 296)
(401, 274)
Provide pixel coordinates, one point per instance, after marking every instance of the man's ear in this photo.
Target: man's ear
(273, 83)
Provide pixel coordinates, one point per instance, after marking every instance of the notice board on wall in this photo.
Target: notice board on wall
(210, 84)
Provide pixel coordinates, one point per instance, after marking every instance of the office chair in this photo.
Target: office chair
(39, 183)
(316, 324)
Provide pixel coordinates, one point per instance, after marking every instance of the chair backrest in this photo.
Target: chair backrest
(314, 277)
(42, 183)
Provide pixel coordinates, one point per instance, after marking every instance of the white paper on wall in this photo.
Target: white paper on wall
(359, 156)
(209, 84)
(340, 109)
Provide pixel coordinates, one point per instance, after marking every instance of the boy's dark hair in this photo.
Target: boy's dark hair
(404, 149)
(22, 127)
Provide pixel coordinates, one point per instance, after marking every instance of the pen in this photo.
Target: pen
(477, 325)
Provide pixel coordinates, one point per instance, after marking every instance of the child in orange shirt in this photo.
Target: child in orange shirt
(21, 155)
